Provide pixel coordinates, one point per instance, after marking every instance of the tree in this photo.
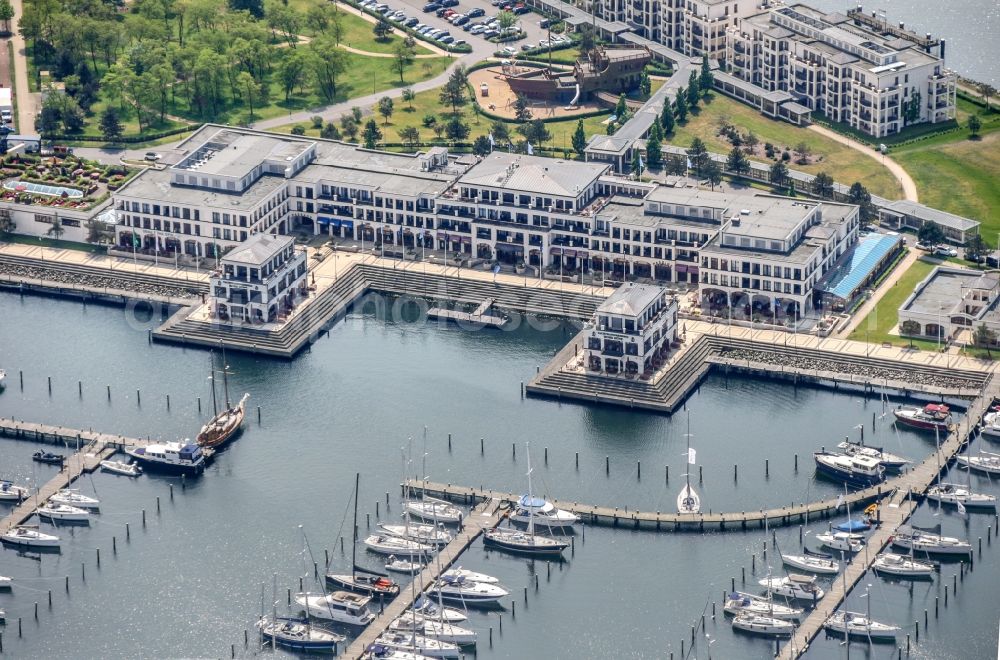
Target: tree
(779, 174)
(298, 129)
(7, 15)
(985, 89)
(438, 129)
(706, 79)
(456, 129)
(410, 135)
(522, 112)
(535, 132)
(481, 146)
(111, 126)
(930, 233)
(698, 155)
(408, 95)
(371, 134)
(822, 185)
(292, 70)
(693, 94)
(453, 92)
(73, 118)
(737, 161)
(330, 131)
(802, 153)
(621, 108)
(911, 109)
(860, 196)
(587, 40)
(750, 141)
(985, 337)
(645, 84)
(327, 63)
(974, 125)
(251, 90)
(680, 105)
(713, 173)
(636, 163)
(505, 21)
(654, 147)
(500, 132)
(255, 7)
(975, 248)
(385, 108)
(402, 57)
(349, 127)
(909, 328)
(357, 114)
(667, 118)
(579, 139)
(382, 29)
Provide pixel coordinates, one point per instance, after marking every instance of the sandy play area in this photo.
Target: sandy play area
(500, 100)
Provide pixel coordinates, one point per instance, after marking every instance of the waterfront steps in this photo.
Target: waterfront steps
(195, 285)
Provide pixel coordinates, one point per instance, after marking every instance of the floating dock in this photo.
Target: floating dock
(478, 317)
(486, 515)
(62, 435)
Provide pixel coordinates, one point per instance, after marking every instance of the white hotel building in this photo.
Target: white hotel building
(632, 330)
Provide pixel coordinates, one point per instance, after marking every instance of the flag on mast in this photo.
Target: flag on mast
(692, 455)
(840, 500)
(961, 507)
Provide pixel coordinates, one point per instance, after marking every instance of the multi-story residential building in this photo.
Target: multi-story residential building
(850, 68)
(631, 330)
(259, 280)
(950, 301)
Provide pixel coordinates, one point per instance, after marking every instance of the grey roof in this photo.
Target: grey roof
(631, 299)
(258, 249)
(927, 214)
(941, 291)
(155, 186)
(235, 153)
(796, 108)
(628, 211)
(533, 174)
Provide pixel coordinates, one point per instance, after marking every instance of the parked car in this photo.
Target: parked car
(459, 42)
(431, 6)
(477, 29)
(490, 33)
(945, 251)
(152, 156)
(447, 39)
(923, 246)
(476, 12)
(440, 12)
(517, 11)
(461, 20)
(411, 22)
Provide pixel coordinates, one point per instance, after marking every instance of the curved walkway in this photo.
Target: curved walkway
(906, 183)
(368, 53)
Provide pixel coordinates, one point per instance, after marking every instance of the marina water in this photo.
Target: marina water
(191, 582)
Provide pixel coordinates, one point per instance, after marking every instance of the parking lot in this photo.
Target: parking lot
(413, 9)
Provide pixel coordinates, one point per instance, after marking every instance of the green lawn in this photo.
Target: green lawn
(842, 163)
(876, 326)
(358, 34)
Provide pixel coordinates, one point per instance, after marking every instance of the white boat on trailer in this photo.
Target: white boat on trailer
(433, 509)
(446, 632)
(759, 624)
(425, 646)
(891, 563)
(814, 562)
(122, 468)
(62, 513)
(738, 602)
(859, 625)
(798, 587)
(74, 498)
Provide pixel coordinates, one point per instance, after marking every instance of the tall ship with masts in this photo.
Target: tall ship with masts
(224, 425)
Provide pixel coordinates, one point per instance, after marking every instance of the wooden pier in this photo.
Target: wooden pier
(485, 516)
(476, 317)
(63, 435)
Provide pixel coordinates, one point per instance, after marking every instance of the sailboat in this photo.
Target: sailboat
(225, 425)
(814, 562)
(368, 583)
(688, 500)
(929, 541)
(520, 542)
(853, 624)
(891, 563)
(294, 633)
(986, 462)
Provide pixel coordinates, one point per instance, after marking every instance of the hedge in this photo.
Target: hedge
(127, 139)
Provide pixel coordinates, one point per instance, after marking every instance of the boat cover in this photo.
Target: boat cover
(852, 526)
(531, 502)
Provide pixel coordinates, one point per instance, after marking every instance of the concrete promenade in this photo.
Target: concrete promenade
(485, 516)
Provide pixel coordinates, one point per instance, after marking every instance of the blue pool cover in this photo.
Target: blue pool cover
(867, 255)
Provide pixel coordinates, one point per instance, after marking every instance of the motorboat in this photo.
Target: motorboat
(813, 562)
(393, 545)
(759, 624)
(6, 583)
(298, 634)
(379, 652)
(425, 646)
(122, 468)
(544, 513)
(991, 425)
(860, 471)
(929, 541)
(3, 379)
(842, 541)
(931, 417)
(427, 534)
(956, 494)
(426, 607)
(890, 563)
(10, 492)
(339, 606)
(171, 457)
(74, 498)
(435, 510)
(523, 543)
(738, 602)
(859, 625)
(799, 587)
(446, 632)
(62, 513)
(397, 565)
(888, 460)
(465, 591)
(48, 458)
(985, 461)
(471, 576)
(29, 537)
(364, 583)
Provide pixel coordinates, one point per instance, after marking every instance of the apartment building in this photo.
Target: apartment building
(258, 281)
(631, 330)
(851, 68)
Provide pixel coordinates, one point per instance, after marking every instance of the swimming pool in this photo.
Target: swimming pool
(41, 189)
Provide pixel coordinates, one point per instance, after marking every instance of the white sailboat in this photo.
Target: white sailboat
(430, 508)
(30, 537)
(814, 562)
(688, 500)
(759, 624)
(853, 624)
(739, 602)
(74, 498)
(842, 541)
(10, 492)
(427, 534)
(427, 607)
(925, 542)
(986, 462)
(446, 632)
(890, 563)
(956, 494)
(798, 587)
(418, 644)
(62, 512)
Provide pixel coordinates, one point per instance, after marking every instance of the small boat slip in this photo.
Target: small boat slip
(477, 317)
